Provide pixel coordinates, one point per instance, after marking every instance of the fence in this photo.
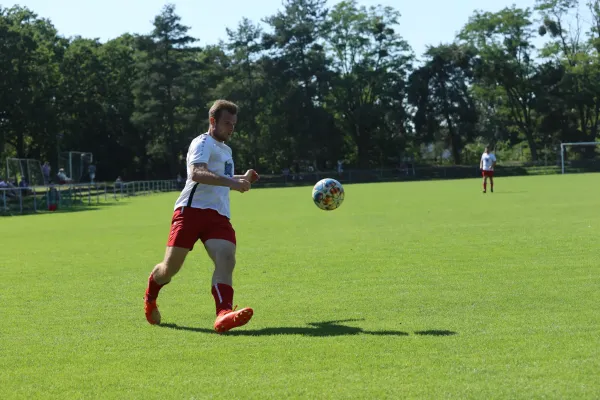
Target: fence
(420, 173)
(23, 200)
(16, 200)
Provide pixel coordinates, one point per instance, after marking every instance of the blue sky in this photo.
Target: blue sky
(423, 22)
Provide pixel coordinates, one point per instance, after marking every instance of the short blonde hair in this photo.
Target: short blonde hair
(218, 106)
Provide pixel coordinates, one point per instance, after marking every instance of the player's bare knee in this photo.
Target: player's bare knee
(172, 268)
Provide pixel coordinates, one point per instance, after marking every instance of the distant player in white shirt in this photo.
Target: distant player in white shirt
(202, 213)
(487, 164)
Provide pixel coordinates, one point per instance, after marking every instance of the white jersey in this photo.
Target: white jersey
(218, 156)
(487, 161)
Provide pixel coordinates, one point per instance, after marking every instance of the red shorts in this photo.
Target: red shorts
(190, 224)
(487, 173)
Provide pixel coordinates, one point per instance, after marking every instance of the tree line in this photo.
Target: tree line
(314, 85)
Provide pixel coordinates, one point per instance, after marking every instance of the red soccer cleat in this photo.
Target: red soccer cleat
(229, 319)
(151, 310)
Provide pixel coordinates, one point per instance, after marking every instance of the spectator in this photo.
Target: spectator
(46, 172)
(24, 185)
(62, 177)
(7, 185)
(340, 168)
(92, 172)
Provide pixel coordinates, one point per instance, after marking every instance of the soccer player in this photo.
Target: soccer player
(487, 164)
(202, 212)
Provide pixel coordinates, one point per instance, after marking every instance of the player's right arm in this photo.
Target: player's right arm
(481, 163)
(201, 174)
(198, 156)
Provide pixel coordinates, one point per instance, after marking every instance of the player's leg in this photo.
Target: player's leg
(170, 265)
(492, 183)
(182, 236)
(159, 277)
(220, 244)
(484, 175)
(222, 252)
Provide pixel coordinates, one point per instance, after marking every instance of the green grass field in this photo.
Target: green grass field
(409, 290)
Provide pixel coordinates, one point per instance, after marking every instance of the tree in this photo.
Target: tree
(162, 90)
(83, 92)
(440, 92)
(29, 78)
(296, 64)
(122, 137)
(505, 66)
(244, 85)
(371, 63)
(577, 59)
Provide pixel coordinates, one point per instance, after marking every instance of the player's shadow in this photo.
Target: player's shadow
(315, 329)
(15, 211)
(435, 332)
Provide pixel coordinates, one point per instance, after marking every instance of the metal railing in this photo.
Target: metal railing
(418, 173)
(22, 200)
(17, 200)
(136, 188)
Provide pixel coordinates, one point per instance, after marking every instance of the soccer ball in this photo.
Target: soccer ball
(328, 194)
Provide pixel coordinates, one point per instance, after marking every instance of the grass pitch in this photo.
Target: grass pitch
(409, 290)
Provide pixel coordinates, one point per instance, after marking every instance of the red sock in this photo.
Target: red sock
(153, 289)
(223, 295)
(484, 186)
(492, 185)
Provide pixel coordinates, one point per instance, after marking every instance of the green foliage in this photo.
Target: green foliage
(314, 85)
(446, 108)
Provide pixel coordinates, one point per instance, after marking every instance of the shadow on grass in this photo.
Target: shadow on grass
(435, 333)
(508, 192)
(315, 329)
(15, 212)
(85, 207)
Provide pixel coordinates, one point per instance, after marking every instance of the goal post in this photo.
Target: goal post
(30, 170)
(563, 147)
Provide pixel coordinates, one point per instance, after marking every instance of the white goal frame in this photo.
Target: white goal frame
(22, 171)
(564, 145)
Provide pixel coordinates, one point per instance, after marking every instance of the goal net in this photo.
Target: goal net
(580, 157)
(76, 164)
(29, 170)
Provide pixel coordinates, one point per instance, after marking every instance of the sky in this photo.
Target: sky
(423, 22)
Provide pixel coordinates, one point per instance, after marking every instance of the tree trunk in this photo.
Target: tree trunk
(454, 137)
(362, 144)
(532, 145)
(2, 143)
(21, 144)
(172, 141)
(455, 144)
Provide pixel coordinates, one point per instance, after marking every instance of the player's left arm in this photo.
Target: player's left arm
(250, 175)
(494, 163)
